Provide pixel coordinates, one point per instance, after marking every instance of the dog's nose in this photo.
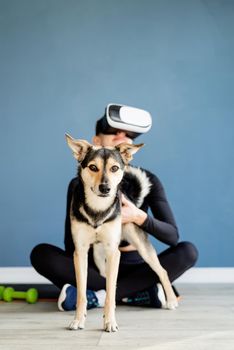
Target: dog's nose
(104, 188)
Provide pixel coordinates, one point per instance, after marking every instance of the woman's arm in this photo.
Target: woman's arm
(162, 224)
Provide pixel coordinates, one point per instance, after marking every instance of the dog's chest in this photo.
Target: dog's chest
(95, 219)
(109, 234)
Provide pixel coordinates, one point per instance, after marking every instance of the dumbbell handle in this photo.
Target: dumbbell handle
(19, 295)
(1, 291)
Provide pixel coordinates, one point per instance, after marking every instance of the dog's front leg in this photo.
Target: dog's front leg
(81, 267)
(112, 266)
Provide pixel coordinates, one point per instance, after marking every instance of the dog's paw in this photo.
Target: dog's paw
(110, 325)
(77, 324)
(171, 304)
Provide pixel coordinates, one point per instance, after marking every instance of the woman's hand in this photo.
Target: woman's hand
(130, 213)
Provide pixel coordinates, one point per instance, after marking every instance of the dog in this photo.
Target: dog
(96, 220)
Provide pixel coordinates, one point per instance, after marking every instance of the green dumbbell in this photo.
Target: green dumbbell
(31, 295)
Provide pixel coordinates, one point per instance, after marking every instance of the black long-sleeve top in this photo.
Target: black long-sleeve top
(161, 225)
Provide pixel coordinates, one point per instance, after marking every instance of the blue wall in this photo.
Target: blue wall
(62, 61)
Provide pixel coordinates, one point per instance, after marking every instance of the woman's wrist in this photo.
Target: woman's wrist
(140, 217)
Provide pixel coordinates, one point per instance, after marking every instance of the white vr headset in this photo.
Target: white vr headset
(134, 121)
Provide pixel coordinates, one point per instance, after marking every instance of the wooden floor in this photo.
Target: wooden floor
(204, 320)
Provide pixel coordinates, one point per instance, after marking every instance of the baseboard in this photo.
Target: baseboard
(28, 275)
(208, 275)
(21, 275)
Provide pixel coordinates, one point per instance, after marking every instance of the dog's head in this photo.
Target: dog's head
(102, 168)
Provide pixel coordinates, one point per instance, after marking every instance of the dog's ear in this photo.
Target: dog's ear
(126, 150)
(79, 147)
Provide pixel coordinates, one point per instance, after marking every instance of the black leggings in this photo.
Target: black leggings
(57, 266)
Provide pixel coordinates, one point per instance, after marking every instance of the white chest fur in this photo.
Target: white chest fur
(105, 239)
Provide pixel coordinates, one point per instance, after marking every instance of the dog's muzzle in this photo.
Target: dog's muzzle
(104, 189)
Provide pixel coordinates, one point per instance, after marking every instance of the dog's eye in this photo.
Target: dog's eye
(114, 168)
(93, 167)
